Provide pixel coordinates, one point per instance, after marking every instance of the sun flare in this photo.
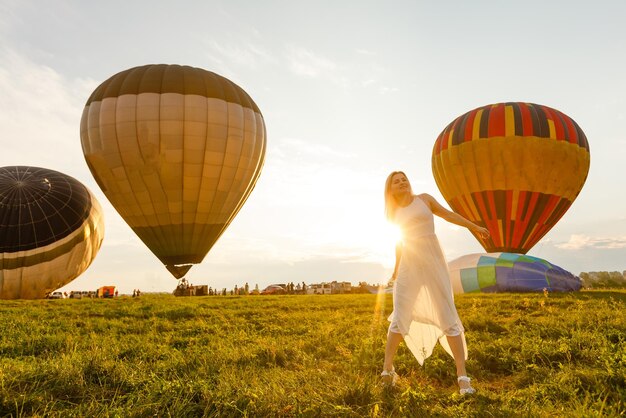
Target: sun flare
(374, 238)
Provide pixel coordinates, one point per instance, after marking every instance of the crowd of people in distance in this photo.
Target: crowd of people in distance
(290, 288)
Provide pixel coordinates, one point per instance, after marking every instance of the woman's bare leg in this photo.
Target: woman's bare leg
(456, 345)
(393, 341)
(458, 351)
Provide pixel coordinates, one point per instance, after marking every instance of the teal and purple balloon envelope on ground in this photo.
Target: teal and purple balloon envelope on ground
(509, 272)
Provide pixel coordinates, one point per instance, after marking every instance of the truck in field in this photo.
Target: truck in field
(106, 292)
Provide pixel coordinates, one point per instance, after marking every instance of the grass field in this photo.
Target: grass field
(157, 355)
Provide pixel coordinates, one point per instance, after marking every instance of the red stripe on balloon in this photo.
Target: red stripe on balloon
(469, 126)
(558, 124)
(527, 122)
(541, 229)
(509, 209)
(494, 216)
(571, 130)
(437, 147)
(558, 128)
(519, 223)
(536, 236)
(547, 211)
(490, 223)
(531, 205)
(496, 121)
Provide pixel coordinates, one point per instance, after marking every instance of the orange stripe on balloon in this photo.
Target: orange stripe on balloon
(476, 127)
(472, 207)
(463, 206)
(509, 121)
(514, 203)
(559, 129)
(552, 130)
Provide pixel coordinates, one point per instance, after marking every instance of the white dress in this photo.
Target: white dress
(423, 310)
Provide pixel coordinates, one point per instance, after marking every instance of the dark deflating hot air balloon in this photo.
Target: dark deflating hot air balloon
(514, 168)
(51, 228)
(509, 272)
(177, 151)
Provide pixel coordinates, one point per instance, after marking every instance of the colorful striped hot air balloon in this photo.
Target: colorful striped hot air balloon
(51, 228)
(176, 150)
(514, 168)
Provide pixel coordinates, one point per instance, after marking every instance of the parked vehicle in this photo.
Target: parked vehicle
(106, 292)
(56, 295)
(274, 289)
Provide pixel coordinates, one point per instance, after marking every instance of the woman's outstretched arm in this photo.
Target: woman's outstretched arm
(452, 217)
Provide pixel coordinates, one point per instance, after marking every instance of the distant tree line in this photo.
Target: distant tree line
(603, 279)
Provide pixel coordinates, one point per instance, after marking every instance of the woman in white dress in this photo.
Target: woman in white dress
(424, 310)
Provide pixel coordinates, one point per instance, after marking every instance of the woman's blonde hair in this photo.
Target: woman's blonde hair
(390, 202)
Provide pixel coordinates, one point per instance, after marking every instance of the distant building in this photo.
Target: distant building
(326, 288)
(340, 287)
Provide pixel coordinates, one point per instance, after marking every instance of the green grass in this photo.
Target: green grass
(564, 355)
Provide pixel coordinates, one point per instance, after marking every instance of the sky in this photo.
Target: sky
(349, 91)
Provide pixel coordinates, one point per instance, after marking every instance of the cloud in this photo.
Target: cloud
(242, 53)
(306, 63)
(386, 90)
(311, 149)
(40, 113)
(579, 242)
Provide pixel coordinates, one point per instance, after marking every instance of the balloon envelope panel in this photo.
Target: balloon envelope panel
(177, 151)
(51, 228)
(514, 168)
(509, 272)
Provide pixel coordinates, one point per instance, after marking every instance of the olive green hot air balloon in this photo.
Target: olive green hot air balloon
(51, 228)
(177, 151)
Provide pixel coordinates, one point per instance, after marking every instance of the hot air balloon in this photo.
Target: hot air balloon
(514, 168)
(509, 272)
(51, 228)
(177, 151)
